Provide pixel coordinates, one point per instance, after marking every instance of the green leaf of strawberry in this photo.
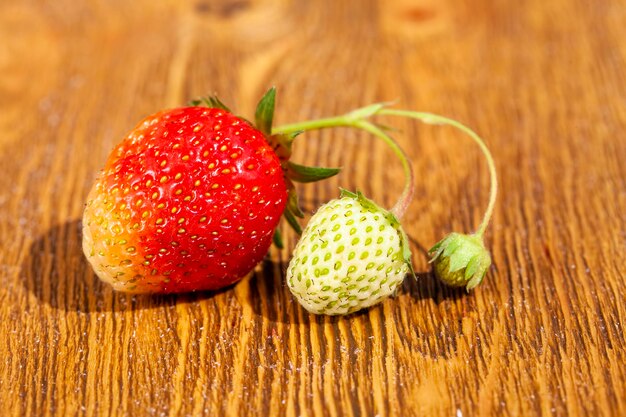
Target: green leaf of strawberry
(292, 204)
(291, 219)
(278, 239)
(212, 102)
(301, 173)
(264, 115)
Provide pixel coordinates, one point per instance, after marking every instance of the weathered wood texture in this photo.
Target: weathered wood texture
(543, 81)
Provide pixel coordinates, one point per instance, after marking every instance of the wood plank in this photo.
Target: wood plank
(544, 82)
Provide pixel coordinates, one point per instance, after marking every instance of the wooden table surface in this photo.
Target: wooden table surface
(543, 81)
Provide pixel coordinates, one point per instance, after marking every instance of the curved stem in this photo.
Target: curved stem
(338, 121)
(440, 120)
(350, 120)
(405, 198)
(357, 119)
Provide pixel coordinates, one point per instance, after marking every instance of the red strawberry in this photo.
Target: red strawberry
(188, 201)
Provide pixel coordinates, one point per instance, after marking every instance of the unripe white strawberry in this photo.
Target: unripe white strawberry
(352, 255)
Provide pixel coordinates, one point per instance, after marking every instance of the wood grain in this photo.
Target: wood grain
(543, 81)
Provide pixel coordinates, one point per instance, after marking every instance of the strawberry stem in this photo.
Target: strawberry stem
(434, 119)
(406, 197)
(357, 120)
(340, 121)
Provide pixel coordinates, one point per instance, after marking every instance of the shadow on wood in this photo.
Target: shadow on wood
(268, 296)
(57, 273)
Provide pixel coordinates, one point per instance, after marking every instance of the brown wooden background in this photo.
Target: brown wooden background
(543, 81)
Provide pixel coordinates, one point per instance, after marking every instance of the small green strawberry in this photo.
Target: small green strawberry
(460, 260)
(352, 255)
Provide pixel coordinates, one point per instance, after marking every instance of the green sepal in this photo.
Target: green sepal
(291, 219)
(281, 144)
(293, 205)
(294, 135)
(368, 204)
(348, 193)
(264, 115)
(453, 244)
(292, 208)
(278, 239)
(301, 173)
(460, 261)
(395, 223)
(475, 280)
(472, 266)
(406, 250)
(436, 250)
(212, 102)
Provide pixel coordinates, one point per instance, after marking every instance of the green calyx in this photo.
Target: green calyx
(281, 143)
(212, 102)
(391, 218)
(460, 260)
(301, 173)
